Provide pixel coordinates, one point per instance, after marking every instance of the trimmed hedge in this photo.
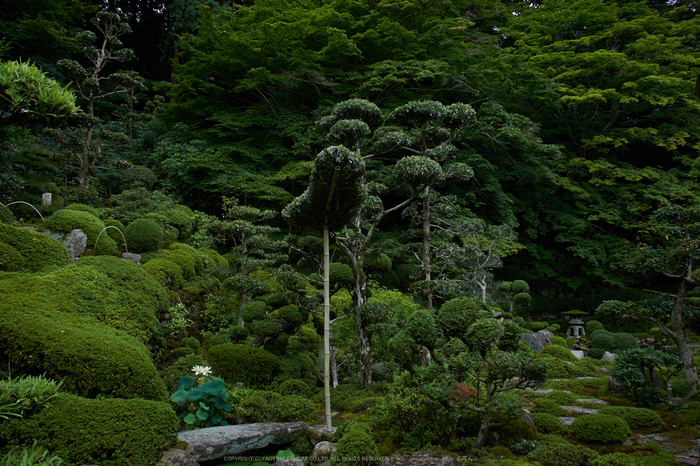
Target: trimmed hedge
(186, 257)
(66, 220)
(548, 423)
(562, 454)
(84, 208)
(243, 363)
(635, 417)
(109, 432)
(603, 428)
(6, 215)
(10, 259)
(166, 272)
(458, 314)
(267, 406)
(143, 235)
(40, 252)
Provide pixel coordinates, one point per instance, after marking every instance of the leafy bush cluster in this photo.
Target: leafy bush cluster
(38, 251)
(605, 428)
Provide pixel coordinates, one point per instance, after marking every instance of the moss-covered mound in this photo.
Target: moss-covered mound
(66, 220)
(243, 363)
(40, 252)
(186, 257)
(6, 215)
(143, 235)
(10, 259)
(166, 272)
(108, 432)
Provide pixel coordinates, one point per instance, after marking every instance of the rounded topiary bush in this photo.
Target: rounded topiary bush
(548, 423)
(183, 366)
(604, 340)
(186, 257)
(166, 272)
(603, 428)
(596, 353)
(625, 341)
(190, 342)
(254, 310)
(356, 446)
(559, 352)
(39, 251)
(84, 208)
(10, 259)
(212, 258)
(562, 398)
(107, 431)
(294, 387)
(243, 363)
(562, 454)
(143, 235)
(616, 459)
(66, 220)
(544, 405)
(592, 326)
(181, 217)
(635, 417)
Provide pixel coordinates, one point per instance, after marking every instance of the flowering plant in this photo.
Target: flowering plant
(204, 399)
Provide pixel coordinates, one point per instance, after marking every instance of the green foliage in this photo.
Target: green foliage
(254, 310)
(548, 406)
(559, 369)
(181, 368)
(243, 363)
(219, 312)
(186, 257)
(294, 387)
(562, 398)
(33, 455)
(625, 341)
(356, 446)
(635, 417)
(10, 259)
(111, 432)
(136, 203)
(592, 326)
(181, 217)
(266, 406)
(66, 220)
(548, 423)
(26, 395)
(203, 399)
(112, 233)
(559, 352)
(39, 251)
(603, 428)
(616, 459)
(166, 272)
(604, 340)
(562, 454)
(84, 208)
(143, 235)
(458, 314)
(29, 97)
(6, 215)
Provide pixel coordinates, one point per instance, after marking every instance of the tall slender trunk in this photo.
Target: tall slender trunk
(425, 256)
(676, 333)
(326, 326)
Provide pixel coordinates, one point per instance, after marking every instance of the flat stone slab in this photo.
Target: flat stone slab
(216, 442)
(578, 411)
(592, 400)
(578, 354)
(690, 461)
(566, 420)
(548, 391)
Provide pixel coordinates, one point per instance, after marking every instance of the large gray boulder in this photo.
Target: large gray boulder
(75, 243)
(323, 451)
(216, 442)
(177, 457)
(538, 340)
(420, 458)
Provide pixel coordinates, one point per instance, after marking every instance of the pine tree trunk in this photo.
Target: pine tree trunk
(427, 292)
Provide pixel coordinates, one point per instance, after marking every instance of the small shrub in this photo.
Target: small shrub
(6, 215)
(143, 235)
(562, 454)
(10, 259)
(165, 272)
(458, 314)
(356, 447)
(624, 341)
(596, 353)
(84, 208)
(181, 351)
(562, 398)
(294, 387)
(210, 339)
(615, 459)
(107, 431)
(180, 368)
(548, 423)
(593, 325)
(243, 363)
(635, 417)
(601, 428)
(559, 341)
(559, 352)
(65, 221)
(544, 405)
(254, 310)
(114, 234)
(267, 406)
(603, 339)
(190, 342)
(186, 257)
(39, 251)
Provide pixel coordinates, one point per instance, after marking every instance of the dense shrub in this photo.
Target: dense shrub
(212, 258)
(10, 259)
(548, 423)
(65, 221)
(635, 417)
(165, 272)
(267, 406)
(181, 217)
(356, 446)
(243, 363)
(562, 397)
(596, 353)
(40, 252)
(592, 326)
(84, 208)
(134, 203)
(625, 341)
(616, 459)
(183, 366)
(294, 387)
(547, 406)
(254, 310)
(186, 257)
(109, 432)
(6, 215)
(181, 351)
(559, 352)
(562, 454)
(603, 428)
(457, 314)
(190, 342)
(143, 235)
(559, 369)
(603, 339)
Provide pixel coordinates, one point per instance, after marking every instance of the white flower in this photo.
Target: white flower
(202, 370)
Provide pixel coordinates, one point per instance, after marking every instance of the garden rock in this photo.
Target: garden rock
(177, 457)
(578, 411)
(538, 340)
(319, 432)
(567, 421)
(130, 256)
(592, 400)
(420, 458)
(216, 442)
(690, 461)
(527, 417)
(608, 357)
(616, 387)
(75, 243)
(322, 451)
(578, 354)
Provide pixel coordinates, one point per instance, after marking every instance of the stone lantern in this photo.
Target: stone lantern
(576, 328)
